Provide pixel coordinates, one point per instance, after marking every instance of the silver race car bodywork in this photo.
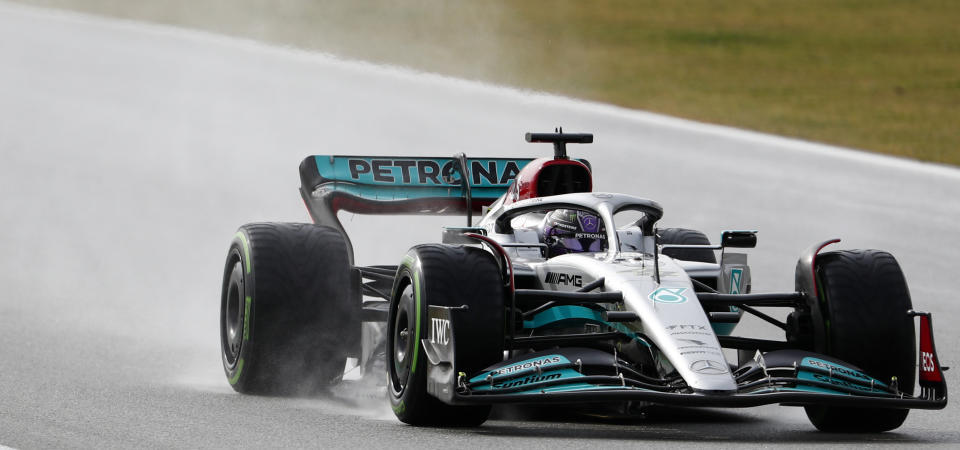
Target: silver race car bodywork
(662, 305)
(633, 320)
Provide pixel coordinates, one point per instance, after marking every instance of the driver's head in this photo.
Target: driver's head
(573, 231)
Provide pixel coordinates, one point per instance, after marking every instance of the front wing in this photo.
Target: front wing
(580, 374)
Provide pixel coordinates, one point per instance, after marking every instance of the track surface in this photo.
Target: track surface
(129, 154)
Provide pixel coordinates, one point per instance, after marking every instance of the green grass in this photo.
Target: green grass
(879, 75)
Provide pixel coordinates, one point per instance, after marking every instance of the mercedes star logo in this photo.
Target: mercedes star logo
(709, 367)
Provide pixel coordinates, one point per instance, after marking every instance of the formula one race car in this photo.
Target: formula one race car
(558, 294)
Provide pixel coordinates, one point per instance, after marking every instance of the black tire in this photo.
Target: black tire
(683, 236)
(442, 275)
(287, 316)
(864, 300)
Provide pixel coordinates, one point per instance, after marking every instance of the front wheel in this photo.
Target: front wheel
(864, 301)
(442, 275)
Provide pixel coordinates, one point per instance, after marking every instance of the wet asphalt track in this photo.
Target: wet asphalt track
(129, 154)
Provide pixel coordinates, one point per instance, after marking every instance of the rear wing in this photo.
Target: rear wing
(406, 185)
(402, 185)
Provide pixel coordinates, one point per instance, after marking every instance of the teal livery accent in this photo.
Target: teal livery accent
(581, 387)
(736, 284)
(397, 171)
(842, 377)
(736, 278)
(524, 373)
(531, 379)
(524, 366)
(563, 388)
(669, 295)
(394, 193)
(561, 314)
(797, 389)
(736, 287)
(803, 375)
(723, 329)
(849, 377)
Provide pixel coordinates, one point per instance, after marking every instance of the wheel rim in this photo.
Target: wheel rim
(403, 341)
(232, 314)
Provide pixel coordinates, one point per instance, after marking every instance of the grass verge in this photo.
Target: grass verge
(881, 75)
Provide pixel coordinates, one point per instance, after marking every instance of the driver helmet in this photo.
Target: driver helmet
(573, 231)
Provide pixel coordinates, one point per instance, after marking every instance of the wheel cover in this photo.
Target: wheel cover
(232, 315)
(403, 332)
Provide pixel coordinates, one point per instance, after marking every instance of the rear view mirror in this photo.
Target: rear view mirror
(739, 239)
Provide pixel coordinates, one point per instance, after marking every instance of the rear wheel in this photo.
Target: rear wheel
(864, 301)
(683, 236)
(442, 275)
(287, 316)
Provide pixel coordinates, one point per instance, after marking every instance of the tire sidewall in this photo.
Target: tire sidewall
(240, 249)
(834, 335)
(446, 276)
(300, 318)
(414, 390)
(839, 339)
